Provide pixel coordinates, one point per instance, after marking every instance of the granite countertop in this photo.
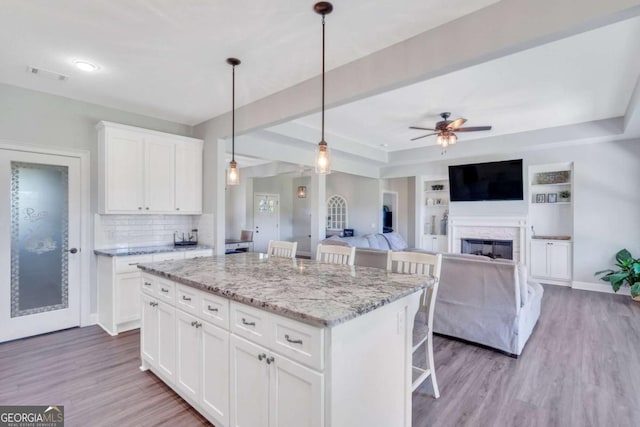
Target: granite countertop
(148, 250)
(304, 290)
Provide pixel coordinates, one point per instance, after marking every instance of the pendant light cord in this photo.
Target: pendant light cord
(322, 78)
(233, 114)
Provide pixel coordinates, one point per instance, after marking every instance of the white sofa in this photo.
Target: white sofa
(486, 301)
(481, 300)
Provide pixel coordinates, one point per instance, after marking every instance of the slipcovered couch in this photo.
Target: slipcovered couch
(482, 300)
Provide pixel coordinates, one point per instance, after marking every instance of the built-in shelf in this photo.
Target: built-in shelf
(552, 185)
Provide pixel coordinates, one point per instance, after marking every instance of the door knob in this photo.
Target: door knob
(73, 250)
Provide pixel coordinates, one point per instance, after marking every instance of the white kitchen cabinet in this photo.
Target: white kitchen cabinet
(158, 335)
(270, 390)
(551, 259)
(188, 354)
(119, 287)
(214, 368)
(160, 175)
(188, 183)
(434, 243)
(249, 384)
(147, 172)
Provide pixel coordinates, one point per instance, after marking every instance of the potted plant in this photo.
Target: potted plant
(564, 195)
(628, 273)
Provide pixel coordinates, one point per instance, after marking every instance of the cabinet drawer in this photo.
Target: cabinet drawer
(129, 264)
(199, 253)
(250, 323)
(215, 309)
(165, 290)
(188, 299)
(298, 341)
(148, 285)
(167, 256)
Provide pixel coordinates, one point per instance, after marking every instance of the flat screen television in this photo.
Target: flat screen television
(486, 181)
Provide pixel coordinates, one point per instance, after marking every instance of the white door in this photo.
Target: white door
(149, 329)
(215, 372)
(296, 395)
(125, 174)
(538, 258)
(189, 178)
(39, 243)
(160, 177)
(266, 220)
(559, 259)
(188, 355)
(249, 384)
(166, 339)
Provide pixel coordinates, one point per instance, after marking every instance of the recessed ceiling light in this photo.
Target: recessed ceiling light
(85, 66)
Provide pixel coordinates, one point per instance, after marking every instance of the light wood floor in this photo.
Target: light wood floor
(581, 367)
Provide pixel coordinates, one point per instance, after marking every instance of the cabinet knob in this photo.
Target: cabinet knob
(177, 209)
(139, 208)
(270, 360)
(147, 208)
(262, 356)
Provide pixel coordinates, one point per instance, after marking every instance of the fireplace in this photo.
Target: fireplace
(502, 249)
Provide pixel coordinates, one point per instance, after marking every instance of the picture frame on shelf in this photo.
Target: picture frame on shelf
(541, 198)
(552, 197)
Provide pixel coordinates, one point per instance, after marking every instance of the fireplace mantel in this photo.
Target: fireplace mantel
(489, 227)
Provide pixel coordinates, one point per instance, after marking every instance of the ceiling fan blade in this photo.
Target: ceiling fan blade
(456, 123)
(416, 127)
(423, 136)
(473, 129)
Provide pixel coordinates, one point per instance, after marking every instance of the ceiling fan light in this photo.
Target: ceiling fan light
(452, 138)
(323, 159)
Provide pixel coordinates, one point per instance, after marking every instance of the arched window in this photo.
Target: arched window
(337, 213)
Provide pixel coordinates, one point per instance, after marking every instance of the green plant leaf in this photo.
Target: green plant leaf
(635, 289)
(636, 267)
(623, 256)
(608, 271)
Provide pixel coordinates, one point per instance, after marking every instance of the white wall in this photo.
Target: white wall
(38, 119)
(606, 200)
(363, 200)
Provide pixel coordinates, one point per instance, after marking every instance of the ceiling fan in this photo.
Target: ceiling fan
(446, 130)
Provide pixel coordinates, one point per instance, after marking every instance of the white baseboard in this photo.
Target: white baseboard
(599, 287)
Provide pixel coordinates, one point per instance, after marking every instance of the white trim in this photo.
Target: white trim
(599, 287)
(346, 212)
(86, 250)
(102, 124)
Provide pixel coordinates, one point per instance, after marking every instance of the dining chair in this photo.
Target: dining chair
(334, 254)
(282, 249)
(427, 265)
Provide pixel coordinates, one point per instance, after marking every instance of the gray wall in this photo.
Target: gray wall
(606, 200)
(363, 200)
(38, 119)
(302, 215)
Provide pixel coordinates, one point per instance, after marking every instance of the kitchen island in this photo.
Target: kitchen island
(250, 340)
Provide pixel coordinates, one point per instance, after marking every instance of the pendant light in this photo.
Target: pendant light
(323, 155)
(233, 174)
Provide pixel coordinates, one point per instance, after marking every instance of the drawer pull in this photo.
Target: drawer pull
(244, 322)
(262, 356)
(147, 283)
(270, 360)
(133, 263)
(164, 290)
(286, 337)
(186, 298)
(212, 308)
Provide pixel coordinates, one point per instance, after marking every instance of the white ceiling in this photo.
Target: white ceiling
(166, 58)
(586, 77)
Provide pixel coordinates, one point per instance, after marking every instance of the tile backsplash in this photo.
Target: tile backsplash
(115, 231)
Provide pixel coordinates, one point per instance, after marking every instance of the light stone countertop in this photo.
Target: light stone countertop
(303, 290)
(148, 250)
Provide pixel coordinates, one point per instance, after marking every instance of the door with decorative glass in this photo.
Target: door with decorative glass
(39, 237)
(266, 220)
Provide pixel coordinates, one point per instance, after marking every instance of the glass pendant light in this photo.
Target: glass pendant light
(323, 155)
(233, 174)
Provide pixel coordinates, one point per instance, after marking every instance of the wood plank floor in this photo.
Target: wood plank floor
(580, 368)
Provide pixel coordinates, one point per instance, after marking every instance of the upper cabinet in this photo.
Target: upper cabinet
(148, 172)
